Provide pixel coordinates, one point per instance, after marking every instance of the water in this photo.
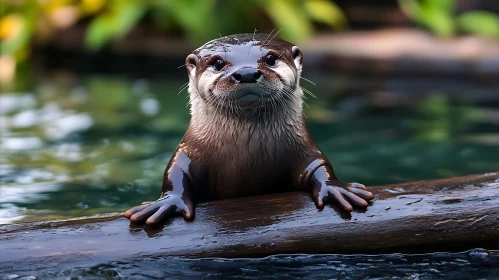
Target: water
(475, 264)
(77, 146)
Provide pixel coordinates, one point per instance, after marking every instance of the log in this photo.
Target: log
(449, 215)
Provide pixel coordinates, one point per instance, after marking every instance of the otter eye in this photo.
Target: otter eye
(219, 64)
(270, 60)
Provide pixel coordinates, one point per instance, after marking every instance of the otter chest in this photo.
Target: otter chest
(250, 163)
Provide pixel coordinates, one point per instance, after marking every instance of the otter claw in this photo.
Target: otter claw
(356, 185)
(346, 196)
(339, 198)
(161, 214)
(160, 209)
(352, 198)
(134, 210)
(362, 193)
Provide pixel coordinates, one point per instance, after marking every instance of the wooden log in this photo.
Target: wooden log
(435, 215)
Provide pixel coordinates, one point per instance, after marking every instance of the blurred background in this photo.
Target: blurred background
(91, 106)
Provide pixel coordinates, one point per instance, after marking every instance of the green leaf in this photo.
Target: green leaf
(289, 18)
(480, 22)
(194, 16)
(22, 38)
(442, 6)
(99, 32)
(326, 12)
(438, 16)
(122, 17)
(411, 8)
(440, 23)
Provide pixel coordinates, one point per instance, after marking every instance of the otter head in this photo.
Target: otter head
(245, 74)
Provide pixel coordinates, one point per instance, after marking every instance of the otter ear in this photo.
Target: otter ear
(191, 62)
(297, 56)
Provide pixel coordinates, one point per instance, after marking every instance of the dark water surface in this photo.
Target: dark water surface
(475, 264)
(81, 146)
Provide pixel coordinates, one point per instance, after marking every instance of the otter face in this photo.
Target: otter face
(245, 72)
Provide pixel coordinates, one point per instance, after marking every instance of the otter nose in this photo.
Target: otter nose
(246, 75)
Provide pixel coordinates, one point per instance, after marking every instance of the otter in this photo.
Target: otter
(247, 134)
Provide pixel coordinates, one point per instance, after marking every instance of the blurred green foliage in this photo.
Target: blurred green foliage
(480, 22)
(120, 17)
(441, 18)
(200, 20)
(24, 21)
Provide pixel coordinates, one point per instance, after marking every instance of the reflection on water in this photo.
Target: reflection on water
(100, 144)
(475, 264)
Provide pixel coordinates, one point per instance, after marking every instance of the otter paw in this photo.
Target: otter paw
(157, 211)
(346, 196)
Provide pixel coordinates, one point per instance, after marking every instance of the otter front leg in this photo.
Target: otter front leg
(176, 194)
(320, 179)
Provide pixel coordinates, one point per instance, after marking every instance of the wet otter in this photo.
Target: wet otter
(247, 134)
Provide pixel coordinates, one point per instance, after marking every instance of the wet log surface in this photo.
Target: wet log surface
(452, 214)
